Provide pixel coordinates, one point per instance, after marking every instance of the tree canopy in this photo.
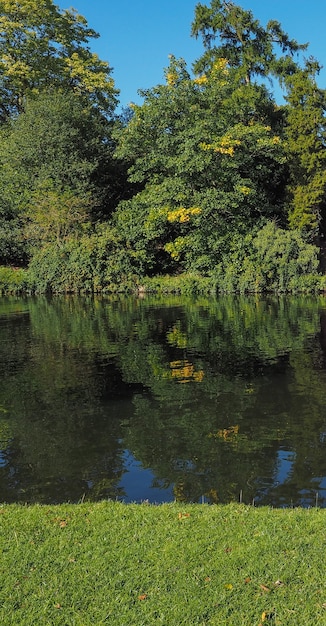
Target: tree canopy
(230, 32)
(41, 47)
(305, 134)
(210, 176)
(209, 154)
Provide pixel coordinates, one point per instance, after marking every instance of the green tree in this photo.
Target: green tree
(306, 142)
(41, 47)
(208, 153)
(230, 32)
(51, 156)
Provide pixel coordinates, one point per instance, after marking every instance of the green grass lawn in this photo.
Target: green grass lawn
(173, 564)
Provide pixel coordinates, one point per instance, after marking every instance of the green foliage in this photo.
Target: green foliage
(42, 46)
(12, 242)
(230, 32)
(185, 284)
(210, 158)
(93, 262)
(287, 262)
(13, 280)
(209, 167)
(62, 268)
(273, 259)
(306, 140)
(52, 157)
(57, 138)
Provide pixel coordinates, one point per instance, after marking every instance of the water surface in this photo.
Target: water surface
(163, 399)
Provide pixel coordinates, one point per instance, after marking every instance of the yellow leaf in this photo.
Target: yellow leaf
(143, 596)
(265, 616)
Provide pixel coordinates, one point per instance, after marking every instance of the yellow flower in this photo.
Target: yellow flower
(225, 145)
(171, 78)
(182, 215)
(201, 80)
(245, 190)
(221, 65)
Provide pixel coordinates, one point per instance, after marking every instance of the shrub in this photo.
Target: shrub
(14, 280)
(273, 259)
(96, 262)
(185, 284)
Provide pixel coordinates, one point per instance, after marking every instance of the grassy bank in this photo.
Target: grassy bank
(137, 565)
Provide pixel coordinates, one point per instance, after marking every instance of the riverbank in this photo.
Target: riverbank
(173, 564)
(20, 281)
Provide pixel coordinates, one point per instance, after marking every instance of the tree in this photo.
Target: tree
(233, 33)
(208, 153)
(230, 32)
(42, 47)
(50, 157)
(305, 133)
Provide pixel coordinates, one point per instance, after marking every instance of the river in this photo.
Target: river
(160, 399)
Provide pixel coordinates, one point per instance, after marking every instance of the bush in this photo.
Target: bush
(14, 280)
(271, 260)
(185, 284)
(94, 263)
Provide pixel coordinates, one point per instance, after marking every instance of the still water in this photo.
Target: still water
(163, 399)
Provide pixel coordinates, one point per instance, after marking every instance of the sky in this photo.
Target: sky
(137, 36)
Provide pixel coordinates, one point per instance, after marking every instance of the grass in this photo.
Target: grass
(173, 564)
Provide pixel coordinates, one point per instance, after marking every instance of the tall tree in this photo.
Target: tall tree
(208, 153)
(230, 32)
(306, 147)
(41, 47)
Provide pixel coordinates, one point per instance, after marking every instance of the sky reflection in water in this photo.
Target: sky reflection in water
(162, 399)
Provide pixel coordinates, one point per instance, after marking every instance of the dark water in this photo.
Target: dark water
(134, 399)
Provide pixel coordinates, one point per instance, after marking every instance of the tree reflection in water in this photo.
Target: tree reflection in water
(160, 399)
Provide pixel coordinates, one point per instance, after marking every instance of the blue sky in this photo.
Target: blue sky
(137, 36)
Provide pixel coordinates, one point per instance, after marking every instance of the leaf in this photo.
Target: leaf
(228, 586)
(183, 515)
(264, 588)
(247, 580)
(143, 596)
(265, 616)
